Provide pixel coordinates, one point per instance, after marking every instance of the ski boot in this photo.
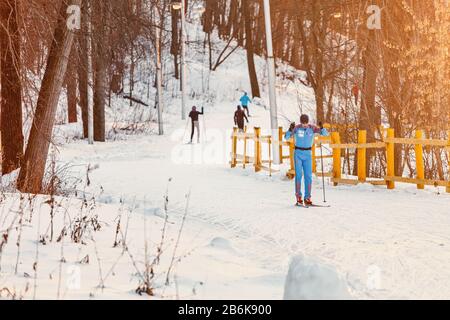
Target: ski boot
(308, 202)
(299, 202)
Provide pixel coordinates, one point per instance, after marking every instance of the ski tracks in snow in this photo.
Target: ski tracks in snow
(403, 235)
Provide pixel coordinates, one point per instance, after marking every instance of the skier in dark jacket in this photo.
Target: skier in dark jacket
(239, 117)
(195, 124)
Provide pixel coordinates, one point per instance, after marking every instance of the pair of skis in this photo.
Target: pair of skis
(312, 206)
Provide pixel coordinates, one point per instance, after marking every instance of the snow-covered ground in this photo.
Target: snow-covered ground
(240, 231)
(386, 244)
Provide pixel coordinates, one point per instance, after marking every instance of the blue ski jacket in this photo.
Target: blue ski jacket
(245, 100)
(304, 136)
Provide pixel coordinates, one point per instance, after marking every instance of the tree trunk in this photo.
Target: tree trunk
(99, 14)
(33, 166)
(369, 115)
(11, 88)
(319, 27)
(249, 47)
(83, 76)
(319, 91)
(370, 118)
(175, 44)
(71, 86)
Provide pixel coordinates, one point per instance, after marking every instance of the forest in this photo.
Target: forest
(394, 73)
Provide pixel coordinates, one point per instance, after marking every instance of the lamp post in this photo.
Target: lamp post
(180, 5)
(272, 83)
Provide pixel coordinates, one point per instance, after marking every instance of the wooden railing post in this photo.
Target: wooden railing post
(420, 166)
(245, 146)
(336, 139)
(362, 169)
(390, 156)
(291, 173)
(270, 156)
(257, 150)
(280, 139)
(234, 148)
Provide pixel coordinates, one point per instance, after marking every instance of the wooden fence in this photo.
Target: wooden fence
(334, 142)
(258, 162)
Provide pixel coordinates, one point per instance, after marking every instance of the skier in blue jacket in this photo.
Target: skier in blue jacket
(304, 139)
(245, 101)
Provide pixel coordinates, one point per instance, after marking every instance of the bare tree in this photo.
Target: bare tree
(11, 87)
(246, 9)
(83, 76)
(71, 87)
(33, 167)
(99, 37)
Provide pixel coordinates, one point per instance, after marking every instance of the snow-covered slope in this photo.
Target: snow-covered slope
(385, 244)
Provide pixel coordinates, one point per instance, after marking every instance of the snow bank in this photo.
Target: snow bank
(221, 243)
(311, 280)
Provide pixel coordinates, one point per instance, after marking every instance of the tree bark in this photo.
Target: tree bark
(33, 166)
(319, 28)
(11, 88)
(83, 75)
(100, 70)
(313, 52)
(249, 48)
(370, 117)
(175, 44)
(71, 87)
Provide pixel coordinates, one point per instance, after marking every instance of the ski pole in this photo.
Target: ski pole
(285, 118)
(323, 174)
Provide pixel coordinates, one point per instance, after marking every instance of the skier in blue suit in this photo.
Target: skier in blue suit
(304, 138)
(245, 101)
